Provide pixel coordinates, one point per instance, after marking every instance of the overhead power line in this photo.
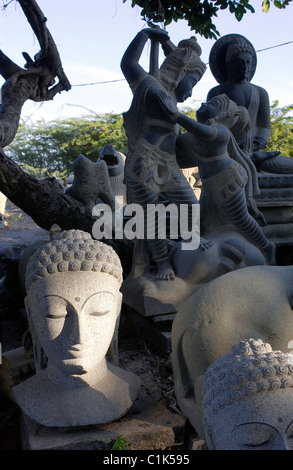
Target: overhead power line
(100, 83)
(273, 47)
(123, 79)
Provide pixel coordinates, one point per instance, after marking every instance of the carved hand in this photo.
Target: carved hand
(259, 157)
(156, 33)
(167, 105)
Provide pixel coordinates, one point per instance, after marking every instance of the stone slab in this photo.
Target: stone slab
(155, 428)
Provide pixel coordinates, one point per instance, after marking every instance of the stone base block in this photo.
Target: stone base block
(156, 428)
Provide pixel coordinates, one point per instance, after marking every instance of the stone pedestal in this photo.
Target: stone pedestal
(155, 428)
(276, 203)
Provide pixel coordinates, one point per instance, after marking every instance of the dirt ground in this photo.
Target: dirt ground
(18, 228)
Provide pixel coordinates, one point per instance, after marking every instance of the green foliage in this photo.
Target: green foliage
(53, 147)
(43, 172)
(188, 111)
(278, 3)
(120, 444)
(198, 13)
(49, 149)
(281, 129)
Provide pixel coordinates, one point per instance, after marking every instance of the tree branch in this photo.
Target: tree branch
(44, 200)
(48, 55)
(35, 81)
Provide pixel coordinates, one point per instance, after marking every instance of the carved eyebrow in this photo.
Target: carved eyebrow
(52, 295)
(69, 303)
(58, 297)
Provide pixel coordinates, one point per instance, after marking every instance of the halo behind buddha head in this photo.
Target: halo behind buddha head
(230, 43)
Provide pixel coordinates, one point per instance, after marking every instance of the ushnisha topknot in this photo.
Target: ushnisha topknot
(239, 45)
(72, 250)
(252, 367)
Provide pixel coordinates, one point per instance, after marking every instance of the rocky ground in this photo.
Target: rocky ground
(154, 422)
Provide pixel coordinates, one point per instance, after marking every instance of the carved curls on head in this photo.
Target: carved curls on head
(252, 367)
(72, 250)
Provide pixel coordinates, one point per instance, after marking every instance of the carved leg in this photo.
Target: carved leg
(158, 247)
(237, 212)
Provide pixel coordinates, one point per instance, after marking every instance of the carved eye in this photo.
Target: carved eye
(56, 307)
(254, 435)
(56, 317)
(256, 445)
(99, 314)
(100, 304)
(63, 312)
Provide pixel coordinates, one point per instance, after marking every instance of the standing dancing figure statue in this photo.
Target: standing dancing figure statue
(151, 168)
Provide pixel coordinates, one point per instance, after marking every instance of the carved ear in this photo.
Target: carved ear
(31, 335)
(290, 299)
(26, 307)
(209, 437)
(119, 304)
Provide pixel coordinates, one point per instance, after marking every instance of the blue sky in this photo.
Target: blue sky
(92, 36)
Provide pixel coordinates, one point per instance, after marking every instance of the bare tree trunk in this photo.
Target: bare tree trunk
(14, 94)
(44, 200)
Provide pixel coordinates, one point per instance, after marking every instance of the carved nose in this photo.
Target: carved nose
(281, 443)
(82, 333)
(79, 327)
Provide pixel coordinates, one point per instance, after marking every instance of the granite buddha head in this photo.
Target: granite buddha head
(73, 303)
(248, 398)
(239, 59)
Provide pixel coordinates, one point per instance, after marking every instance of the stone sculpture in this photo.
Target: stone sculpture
(233, 238)
(91, 184)
(73, 306)
(253, 302)
(233, 63)
(115, 161)
(228, 177)
(247, 399)
(151, 169)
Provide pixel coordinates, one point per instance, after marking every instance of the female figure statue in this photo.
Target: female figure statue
(228, 175)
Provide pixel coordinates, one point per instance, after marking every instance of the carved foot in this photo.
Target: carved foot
(165, 272)
(205, 244)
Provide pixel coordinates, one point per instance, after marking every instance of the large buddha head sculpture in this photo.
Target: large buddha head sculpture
(248, 399)
(73, 302)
